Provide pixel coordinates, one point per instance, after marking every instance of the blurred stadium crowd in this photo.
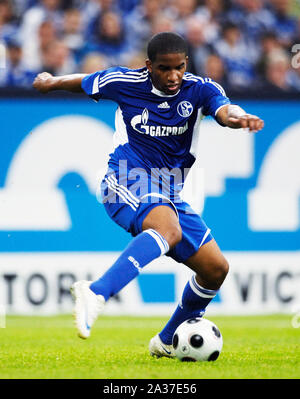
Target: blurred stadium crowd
(242, 44)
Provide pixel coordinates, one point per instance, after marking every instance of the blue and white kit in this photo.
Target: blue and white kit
(155, 142)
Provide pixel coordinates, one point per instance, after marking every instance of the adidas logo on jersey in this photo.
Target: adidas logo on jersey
(164, 105)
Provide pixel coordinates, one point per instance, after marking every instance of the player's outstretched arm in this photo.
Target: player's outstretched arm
(45, 82)
(235, 117)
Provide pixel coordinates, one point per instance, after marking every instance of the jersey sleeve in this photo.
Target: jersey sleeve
(214, 97)
(103, 84)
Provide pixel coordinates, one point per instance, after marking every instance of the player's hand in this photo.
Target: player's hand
(43, 82)
(251, 122)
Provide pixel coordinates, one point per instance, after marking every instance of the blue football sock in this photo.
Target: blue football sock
(193, 303)
(144, 248)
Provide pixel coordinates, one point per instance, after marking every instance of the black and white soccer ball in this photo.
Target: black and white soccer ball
(197, 339)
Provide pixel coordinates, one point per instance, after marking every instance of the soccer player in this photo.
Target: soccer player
(157, 122)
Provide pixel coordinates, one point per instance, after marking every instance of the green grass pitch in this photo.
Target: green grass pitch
(255, 347)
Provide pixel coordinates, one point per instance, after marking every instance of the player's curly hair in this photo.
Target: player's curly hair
(166, 43)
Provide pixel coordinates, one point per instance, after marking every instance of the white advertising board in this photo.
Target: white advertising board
(258, 282)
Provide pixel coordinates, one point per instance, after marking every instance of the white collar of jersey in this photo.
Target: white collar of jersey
(161, 93)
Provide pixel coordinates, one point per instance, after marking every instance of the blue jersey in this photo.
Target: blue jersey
(155, 136)
(159, 129)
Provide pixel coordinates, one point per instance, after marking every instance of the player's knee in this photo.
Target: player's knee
(219, 271)
(214, 273)
(173, 235)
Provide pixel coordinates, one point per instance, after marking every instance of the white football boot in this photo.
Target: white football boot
(158, 348)
(87, 307)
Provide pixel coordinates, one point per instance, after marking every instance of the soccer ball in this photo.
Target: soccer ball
(197, 339)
